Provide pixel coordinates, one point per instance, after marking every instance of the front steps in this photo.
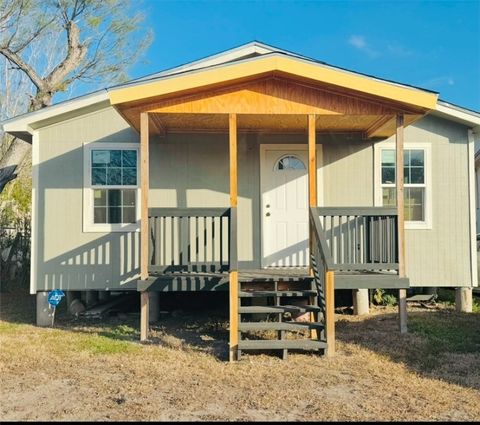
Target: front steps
(267, 313)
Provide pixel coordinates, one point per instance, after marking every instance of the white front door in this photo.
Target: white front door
(284, 186)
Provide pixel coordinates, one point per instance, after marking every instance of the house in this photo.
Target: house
(260, 172)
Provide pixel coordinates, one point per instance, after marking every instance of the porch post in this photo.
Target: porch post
(144, 187)
(233, 271)
(402, 293)
(312, 195)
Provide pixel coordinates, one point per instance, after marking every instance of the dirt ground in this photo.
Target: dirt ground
(99, 371)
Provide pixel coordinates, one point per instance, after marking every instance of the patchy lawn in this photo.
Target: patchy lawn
(99, 371)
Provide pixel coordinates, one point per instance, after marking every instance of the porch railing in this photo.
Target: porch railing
(355, 238)
(192, 240)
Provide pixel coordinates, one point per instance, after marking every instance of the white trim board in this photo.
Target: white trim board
(471, 187)
(35, 207)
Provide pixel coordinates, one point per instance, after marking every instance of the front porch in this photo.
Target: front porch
(197, 249)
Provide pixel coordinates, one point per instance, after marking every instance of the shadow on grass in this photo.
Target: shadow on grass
(441, 344)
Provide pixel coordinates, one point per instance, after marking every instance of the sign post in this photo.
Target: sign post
(54, 298)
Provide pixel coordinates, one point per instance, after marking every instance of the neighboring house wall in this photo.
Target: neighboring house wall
(66, 257)
(191, 170)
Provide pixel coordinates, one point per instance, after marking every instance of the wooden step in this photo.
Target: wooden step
(260, 294)
(278, 326)
(278, 309)
(289, 344)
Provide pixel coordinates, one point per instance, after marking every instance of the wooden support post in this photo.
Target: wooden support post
(312, 162)
(330, 312)
(312, 192)
(402, 293)
(144, 186)
(233, 278)
(144, 313)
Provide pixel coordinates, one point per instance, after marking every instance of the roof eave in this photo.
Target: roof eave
(457, 114)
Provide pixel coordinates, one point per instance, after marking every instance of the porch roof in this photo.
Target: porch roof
(277, 62)
(270, 91)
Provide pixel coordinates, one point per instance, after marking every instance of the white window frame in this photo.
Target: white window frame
(88, 189)
(427, 149)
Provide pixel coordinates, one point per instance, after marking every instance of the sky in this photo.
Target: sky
(433, 45)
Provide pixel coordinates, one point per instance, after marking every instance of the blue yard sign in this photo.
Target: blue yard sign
(54, 297)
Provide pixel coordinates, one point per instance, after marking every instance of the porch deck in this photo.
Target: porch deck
(184, 281)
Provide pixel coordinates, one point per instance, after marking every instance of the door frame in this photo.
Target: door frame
(288, 147)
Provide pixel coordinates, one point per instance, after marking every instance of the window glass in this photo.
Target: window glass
(290, 163)
(414, 181)
(110, 170)
(114, 167)
(114, 206)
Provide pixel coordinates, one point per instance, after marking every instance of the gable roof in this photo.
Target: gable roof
(256, 56)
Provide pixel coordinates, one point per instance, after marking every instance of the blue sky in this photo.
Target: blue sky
(435, 45)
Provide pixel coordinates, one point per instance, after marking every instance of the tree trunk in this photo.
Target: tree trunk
(19, 149)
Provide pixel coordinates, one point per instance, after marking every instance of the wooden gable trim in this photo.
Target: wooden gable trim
(261, 65)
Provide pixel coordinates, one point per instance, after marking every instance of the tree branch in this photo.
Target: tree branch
(22, 65)
(75, 54)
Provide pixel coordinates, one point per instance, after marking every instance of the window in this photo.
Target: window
(289, 162)
(111, 187)
(416, 183)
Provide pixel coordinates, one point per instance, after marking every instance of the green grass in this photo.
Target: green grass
(7, 328)
(444, 333)
(98, 344)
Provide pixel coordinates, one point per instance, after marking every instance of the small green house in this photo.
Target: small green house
(259, 172)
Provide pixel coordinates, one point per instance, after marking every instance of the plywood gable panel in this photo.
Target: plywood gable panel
(271, 96)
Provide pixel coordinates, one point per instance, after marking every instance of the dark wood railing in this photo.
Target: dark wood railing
(356, 238)
(192, 240)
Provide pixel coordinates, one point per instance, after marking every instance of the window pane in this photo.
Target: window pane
(114, 197)
(115, 158)
(388, 157)
(128, 197)
(114, 215)
(114, 176)
(389, 197)
(129, 158)
(100, 197)
(416, 158)
(406, 175)
(388, 175)
(414, 203)
(417, 175)
(99, 176)
(100, 158)
(129, 176)
(129, 215)
(100, 215)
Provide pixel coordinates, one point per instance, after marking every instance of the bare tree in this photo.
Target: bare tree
(99, 40)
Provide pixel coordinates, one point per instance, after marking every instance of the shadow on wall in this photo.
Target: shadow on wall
(66, 257)
(184, 173)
